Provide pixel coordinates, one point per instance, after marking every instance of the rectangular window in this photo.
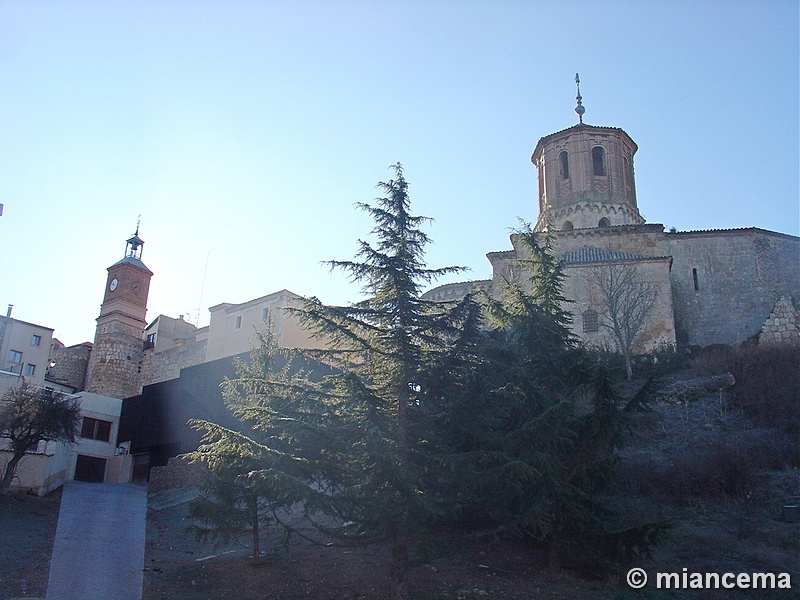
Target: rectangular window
(265, 314)
(238, 322)
(590, 322)
(96, 429)
(15, 356)
(36, 340)
(30, 369)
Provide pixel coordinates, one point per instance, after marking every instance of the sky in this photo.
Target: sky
(245, 132)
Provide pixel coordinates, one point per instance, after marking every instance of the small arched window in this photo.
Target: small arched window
(599, 160)
(627, 171)
(604, 223)
(695, 280)
(564, 159)
(567, 226)
(540, 170)
(590, 324)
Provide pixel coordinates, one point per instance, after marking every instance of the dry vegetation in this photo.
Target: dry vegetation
(718, 465)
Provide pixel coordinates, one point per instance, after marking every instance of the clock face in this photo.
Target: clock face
(113, 285)
(135, 287)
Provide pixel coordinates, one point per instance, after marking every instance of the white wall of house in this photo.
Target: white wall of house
(25, 349)
(101, 410)
(234, 327)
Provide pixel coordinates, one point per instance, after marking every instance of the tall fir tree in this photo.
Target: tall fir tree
(352, 446)
(239, 494)
(533, 444)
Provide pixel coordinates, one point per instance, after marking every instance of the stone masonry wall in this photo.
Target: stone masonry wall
(782, 327)
(162, 366)
(116, 366)
(658, 331)
(725, 283)
(70, 365)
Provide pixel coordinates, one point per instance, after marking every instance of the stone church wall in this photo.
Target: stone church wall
(778, 259)
(725, 283)
(658, 332)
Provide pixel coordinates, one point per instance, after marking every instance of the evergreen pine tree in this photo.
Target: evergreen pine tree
(238, 496)
(353, 446)
(534, 442)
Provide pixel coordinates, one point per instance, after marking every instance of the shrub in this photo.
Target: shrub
(719, 469)
(715, 359)
(768, 386)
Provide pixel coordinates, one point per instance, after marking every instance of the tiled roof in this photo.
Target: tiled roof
(735, 230)
(582, 126)
(458, 288)
(132, 261)
(589, 254)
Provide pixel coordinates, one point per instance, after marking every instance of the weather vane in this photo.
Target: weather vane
(579, 109)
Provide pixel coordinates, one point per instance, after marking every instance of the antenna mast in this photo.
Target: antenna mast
(202, 291)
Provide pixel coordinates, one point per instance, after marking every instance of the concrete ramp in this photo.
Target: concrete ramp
(99, 546)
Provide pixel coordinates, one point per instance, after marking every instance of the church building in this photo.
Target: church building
(723, 286)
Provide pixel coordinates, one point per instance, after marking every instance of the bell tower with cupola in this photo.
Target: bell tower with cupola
(115, 363)
(586, 177)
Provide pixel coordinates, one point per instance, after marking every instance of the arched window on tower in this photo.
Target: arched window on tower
(627, 172)
(567, 226)
(564, 159)
(540, 171)
(604, 222)
(599, 160)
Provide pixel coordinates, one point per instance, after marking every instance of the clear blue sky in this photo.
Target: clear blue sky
(244, 132)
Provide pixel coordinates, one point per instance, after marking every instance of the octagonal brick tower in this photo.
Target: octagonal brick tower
(586, 178)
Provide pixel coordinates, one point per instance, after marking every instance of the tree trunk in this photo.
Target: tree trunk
(11, 470)
(399, 567)
(628, 365)
(256, 531)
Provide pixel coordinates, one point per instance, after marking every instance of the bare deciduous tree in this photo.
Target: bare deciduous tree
(625, 301)
(29, 415)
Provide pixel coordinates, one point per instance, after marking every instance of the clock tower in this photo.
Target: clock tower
(116, 359)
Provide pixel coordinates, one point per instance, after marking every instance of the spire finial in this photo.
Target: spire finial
(133, 247)
(579, 109)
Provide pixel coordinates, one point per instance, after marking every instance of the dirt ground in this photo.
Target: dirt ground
(27, 530)
(743, 533)
(179, 568)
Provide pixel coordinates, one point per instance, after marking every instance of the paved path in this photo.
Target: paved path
(99, 546)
